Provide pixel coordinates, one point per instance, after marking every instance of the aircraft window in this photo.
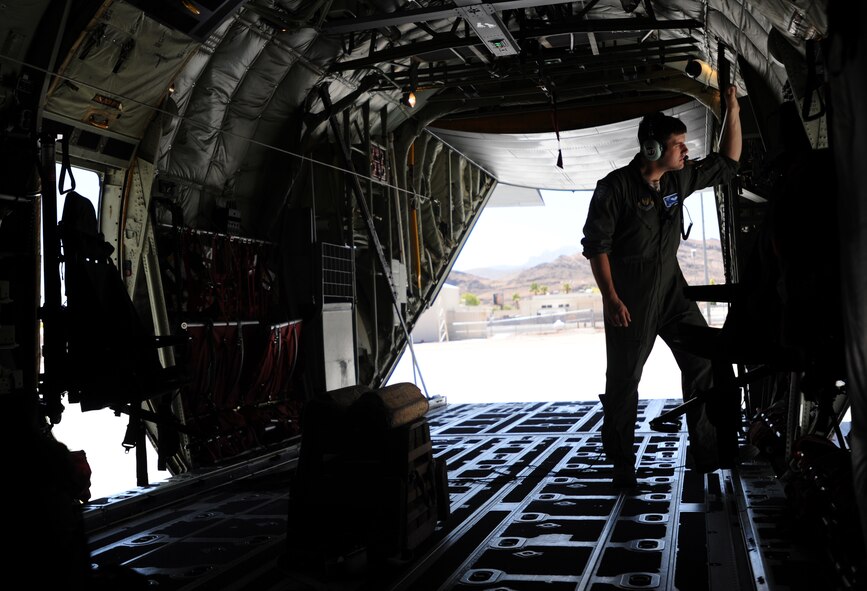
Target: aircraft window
(87, 184)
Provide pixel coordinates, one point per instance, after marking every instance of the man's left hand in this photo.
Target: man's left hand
(732, 104)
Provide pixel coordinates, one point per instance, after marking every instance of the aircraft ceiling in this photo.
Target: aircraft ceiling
(588, 154)
(214, 98)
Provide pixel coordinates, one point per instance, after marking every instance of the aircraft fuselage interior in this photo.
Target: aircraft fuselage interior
(284, 187)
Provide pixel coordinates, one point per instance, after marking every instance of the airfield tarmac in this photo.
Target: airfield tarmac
(561, 365)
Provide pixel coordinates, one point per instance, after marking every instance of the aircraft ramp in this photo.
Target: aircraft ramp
(532, 508)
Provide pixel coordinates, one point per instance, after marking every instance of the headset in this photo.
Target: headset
(651, 148)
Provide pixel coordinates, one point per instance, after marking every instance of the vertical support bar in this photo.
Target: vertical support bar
(415, 247)
(31, 377)
(398, 210)
(451, 204)
(729, 204)
(141, 456)
(345, 138)
(383, 140)
(54, 348)
(111, 210)
(365, 116)
(398, 221)
(704, 253)
(354, 322)
(160, 316)
(407, 249)
(793, 417)
(137, 194)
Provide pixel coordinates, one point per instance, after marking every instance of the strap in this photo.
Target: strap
(811, 84)
(685, 234)
(555, 120)
(65, 167)
(131, 437)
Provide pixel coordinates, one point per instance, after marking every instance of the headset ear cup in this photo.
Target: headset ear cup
(652, 150)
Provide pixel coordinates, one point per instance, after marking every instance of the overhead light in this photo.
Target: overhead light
(408, 98)
(693, 68)
(192, 8)
(410, 87)
(702, 72)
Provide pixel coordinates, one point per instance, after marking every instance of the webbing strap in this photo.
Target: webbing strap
(65, 167)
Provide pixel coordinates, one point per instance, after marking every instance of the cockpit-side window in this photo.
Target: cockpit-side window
(87, 184)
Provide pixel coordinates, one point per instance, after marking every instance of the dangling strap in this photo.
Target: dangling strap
(555, 119)
(65, 167)
(812, 84)
(685, 233)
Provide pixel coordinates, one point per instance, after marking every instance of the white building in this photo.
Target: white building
(432, 326)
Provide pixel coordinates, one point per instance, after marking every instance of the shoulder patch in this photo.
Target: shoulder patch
(670, 200)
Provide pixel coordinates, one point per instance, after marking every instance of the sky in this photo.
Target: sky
(510, 236)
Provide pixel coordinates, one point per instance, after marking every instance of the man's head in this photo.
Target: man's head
(663, 140)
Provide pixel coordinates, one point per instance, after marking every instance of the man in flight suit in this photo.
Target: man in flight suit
(631, 237)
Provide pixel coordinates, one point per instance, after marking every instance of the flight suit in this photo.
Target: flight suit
(639, 228)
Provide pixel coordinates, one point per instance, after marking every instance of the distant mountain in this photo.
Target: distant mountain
(470, 283)
(575, 270)
(550, 255)
(501, 271)
(492, 272)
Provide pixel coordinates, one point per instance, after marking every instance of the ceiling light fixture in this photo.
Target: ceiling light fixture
(408, 98)
(702, 72)
(191, 8)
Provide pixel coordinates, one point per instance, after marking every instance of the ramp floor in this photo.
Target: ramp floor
(532, 508)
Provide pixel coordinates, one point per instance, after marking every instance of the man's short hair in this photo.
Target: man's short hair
(658, 126)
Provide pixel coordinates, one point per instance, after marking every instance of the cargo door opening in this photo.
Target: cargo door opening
(520, 316)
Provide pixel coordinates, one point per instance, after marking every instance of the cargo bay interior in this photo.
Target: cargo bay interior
(284, 188)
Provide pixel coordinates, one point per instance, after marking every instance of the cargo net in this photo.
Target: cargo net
(243, 393)
(216, 276)
(241, 354)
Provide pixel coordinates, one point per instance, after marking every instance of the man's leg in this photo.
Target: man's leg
(697, 376)
(627, 354)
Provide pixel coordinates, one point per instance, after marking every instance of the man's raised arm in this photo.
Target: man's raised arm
(731, 142)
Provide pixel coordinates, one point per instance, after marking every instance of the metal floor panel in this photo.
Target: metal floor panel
(532, 508)
(541, 493)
